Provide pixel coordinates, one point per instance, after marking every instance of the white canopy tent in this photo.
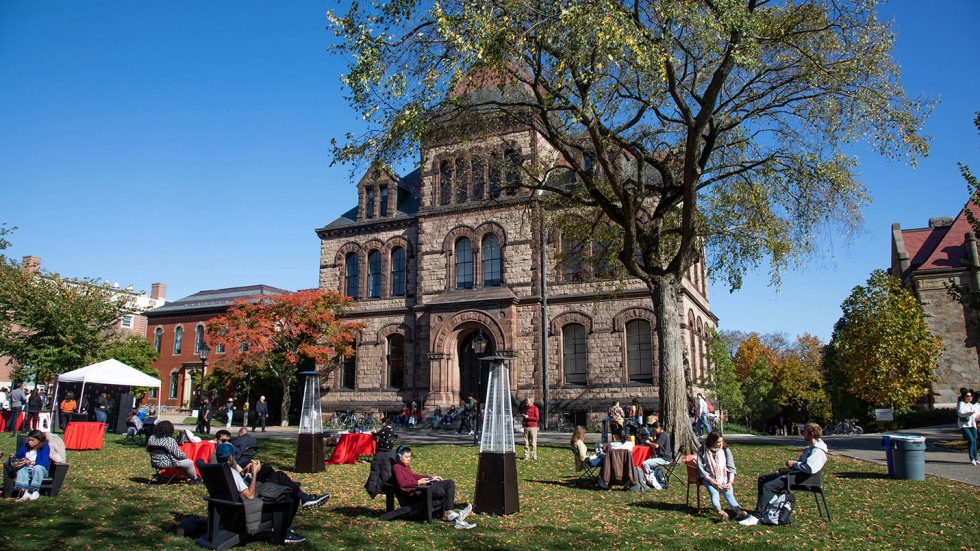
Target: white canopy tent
(109, 372)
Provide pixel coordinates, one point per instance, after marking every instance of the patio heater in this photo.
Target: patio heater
(496, 473)
(309, 449)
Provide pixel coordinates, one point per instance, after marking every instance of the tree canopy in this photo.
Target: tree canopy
(284, 332)
(882, 344)
(51, 325)
(684, 122)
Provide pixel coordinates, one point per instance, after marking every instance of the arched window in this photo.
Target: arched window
(494, 176)
(374, 274)
(574, 348)
(490, 250)
(690, 331)
(369, 203)
(348, 372)
(478, 177)
(445, 182)
(178, 340)
(398, 272)
(351, 275)
(383, 211)
(459, 180)
(571, 259)
(198, 339)
(639, 351)
(464, 264)
(396, 360)
(158, 339)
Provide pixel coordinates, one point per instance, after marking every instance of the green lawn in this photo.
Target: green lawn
(105, 504)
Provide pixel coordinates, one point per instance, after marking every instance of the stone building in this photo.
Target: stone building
(452, 253)
(926, 260)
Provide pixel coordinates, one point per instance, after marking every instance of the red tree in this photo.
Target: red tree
(284, 331)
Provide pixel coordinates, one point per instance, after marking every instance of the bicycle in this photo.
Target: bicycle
(565, 424)
(368, 423)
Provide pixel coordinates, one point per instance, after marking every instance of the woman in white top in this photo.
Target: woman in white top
(966, 420)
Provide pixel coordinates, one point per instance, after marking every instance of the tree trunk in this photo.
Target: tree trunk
(673, 390)
(284, 379)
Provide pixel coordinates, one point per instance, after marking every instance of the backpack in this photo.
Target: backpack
(779, 510)
(711, 408)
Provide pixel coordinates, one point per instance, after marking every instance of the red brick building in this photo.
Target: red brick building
(177, 331)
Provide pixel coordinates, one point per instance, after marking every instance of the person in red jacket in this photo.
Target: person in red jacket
(442, 490)
(531, 417)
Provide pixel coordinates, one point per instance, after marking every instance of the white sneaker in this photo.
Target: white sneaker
(750, 520)
(33, 495)
(451, 516)
(463, 525)
(465, 512)
(26, 496)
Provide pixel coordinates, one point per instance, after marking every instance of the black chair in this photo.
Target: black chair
(409, 504)
(588, 474)
(669, 468)
(163, 462)
(812, 483)
(247, 454)
(226, 510)
(50, 485)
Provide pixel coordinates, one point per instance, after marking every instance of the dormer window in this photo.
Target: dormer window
(383, 211)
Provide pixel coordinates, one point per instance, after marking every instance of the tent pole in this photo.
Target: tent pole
(55, 410)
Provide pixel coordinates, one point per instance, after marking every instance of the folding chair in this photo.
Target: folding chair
(669, 468)
(690, 461)
(810, 483)
(164, 463)
(589, 475)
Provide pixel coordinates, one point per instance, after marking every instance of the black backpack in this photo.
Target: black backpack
(779, 510)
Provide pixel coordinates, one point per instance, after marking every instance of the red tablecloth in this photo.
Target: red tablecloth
(641, 454)
(194, 450)
(6, 414)
(352, 445)
(83, 436)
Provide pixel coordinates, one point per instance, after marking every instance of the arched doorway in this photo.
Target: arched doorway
(473, 374)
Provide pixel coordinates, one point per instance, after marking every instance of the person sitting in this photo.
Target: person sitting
(660, 442)
(220, 437)
(165, 452)
(247, 483)
(436, 418)
(582, 455)
(385, 436)
(450, 417)
(716, 471)
(811, 462)
(256, 473)
(31, 462)
(414, 417)
(402, 420)
(133, 423)
(245, 446)
(443, 491)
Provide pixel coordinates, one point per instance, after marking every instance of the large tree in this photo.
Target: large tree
(882, 344)
(283, 332)
(684, 122)
(969, 295)
(50, 325)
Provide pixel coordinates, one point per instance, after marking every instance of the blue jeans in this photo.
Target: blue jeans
(702, 424)
(970, 435)
(30, 477)
(714, 494)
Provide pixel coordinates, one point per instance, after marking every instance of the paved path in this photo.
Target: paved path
(941, 462)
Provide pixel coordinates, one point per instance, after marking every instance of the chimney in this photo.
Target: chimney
(158, 291)
(30, 264)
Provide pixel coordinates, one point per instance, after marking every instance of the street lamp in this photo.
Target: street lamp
(202, 352)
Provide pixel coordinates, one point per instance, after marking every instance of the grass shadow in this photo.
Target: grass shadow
(664, 506)
(357, 512)
(568, 483)
(855, 475)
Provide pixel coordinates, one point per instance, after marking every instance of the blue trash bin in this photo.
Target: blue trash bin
(886, 442)
(909, 456)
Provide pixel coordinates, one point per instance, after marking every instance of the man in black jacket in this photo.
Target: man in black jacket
(204, 416)
(261, 413)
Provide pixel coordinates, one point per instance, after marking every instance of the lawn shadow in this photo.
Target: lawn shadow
(569, 483)
(664, 506)
(353, 512)
(140, 480)
(854, 475)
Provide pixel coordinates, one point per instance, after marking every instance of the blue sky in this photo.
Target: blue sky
(188, 143)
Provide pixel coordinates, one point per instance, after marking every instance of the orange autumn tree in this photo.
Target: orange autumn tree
(284, 332)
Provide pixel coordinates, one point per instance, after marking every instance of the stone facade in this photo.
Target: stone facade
(453, 220)
(927, 260)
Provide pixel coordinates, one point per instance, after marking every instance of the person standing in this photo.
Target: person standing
(204, 416)
(261, 413)
(702, 424)
(617, 418)
(966, 412)
(101, 408)
(531, 417)
(66, 409)
(230, 410)
(34, 405)
(17, 402)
